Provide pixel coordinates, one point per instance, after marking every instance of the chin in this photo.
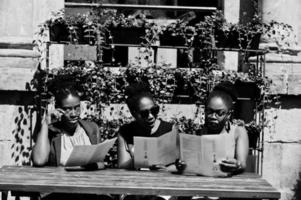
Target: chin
(150, 125)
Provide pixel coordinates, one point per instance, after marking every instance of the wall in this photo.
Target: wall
(282, 152)
(19, 21)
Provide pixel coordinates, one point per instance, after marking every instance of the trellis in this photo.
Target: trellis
(259, 64)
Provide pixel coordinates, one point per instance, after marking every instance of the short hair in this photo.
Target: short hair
(225, 91)
(63, 93)
(135, 93)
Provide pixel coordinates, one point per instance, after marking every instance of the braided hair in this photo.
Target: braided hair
(135, 93)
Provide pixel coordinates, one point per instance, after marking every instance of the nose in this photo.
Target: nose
(150, 116)
(73, 112)
(212, 116)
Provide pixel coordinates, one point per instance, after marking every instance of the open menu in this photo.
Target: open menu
(202, 154)
(151, 151)
(88, 154)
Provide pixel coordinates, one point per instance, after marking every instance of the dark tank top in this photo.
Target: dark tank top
(129, 131)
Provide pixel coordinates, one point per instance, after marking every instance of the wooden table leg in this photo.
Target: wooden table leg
(4, 195)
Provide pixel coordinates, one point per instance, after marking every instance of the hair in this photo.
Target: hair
(225, 91)
(63, 93)
(135, 93)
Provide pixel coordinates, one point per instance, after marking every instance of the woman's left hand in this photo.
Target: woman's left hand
(230, 165)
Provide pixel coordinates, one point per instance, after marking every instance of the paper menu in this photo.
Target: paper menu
(161, 150)
(87, 154)
(202, 154)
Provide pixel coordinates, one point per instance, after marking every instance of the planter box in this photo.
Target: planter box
(167, 39)
(59, 33)
(80, 52)
(58, 53)
(127, 35)
(232, 40)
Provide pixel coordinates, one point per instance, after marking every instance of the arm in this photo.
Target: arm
(125, 159)
(242, 147)
(41, 149)
(238, 164)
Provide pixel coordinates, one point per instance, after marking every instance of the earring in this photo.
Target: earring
(227, 126)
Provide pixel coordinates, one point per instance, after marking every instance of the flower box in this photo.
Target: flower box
(167, 39)
(127, 35)
(59, 33)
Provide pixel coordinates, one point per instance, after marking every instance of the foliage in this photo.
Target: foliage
(282, 35)
(101, 86)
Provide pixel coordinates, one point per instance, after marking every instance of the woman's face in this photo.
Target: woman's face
(216, 115)
(147, 112)
(71, 108)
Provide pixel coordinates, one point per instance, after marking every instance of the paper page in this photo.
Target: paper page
(145, 152)
(87, 154)
(168, 150)
(203, 154)
(161, 150)
(190, 152)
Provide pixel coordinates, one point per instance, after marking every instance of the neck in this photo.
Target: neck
(70, 129)
(156, 126)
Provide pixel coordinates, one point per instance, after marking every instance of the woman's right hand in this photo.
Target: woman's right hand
(52, 116)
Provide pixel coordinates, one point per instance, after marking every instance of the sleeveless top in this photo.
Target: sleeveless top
(229, 140)
(128, 131)
(79, 137)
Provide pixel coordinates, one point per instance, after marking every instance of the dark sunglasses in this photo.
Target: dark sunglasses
(218, 112)
(154, 111)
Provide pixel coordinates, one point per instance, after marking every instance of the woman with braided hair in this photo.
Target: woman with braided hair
(218, 114)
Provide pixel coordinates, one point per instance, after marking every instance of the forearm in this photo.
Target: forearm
(125, 159)
(242, 149)
(41, 149)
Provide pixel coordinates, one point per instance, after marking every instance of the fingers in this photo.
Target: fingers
(230, 161)
(228, 165)
(60, 110)
(100, 165)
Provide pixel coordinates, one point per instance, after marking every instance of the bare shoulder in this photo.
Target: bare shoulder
(240, 131)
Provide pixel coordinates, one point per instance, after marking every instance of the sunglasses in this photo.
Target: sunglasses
(154, 111)
(218, 112)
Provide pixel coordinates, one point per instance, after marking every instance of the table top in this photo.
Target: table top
(117, 181)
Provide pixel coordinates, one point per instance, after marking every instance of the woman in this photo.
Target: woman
(145, 111)
(218, 113)
(55, 141)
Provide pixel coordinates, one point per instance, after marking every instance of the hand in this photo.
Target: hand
(94, 166)
(180, 165)
(230, 165)
(56, 115)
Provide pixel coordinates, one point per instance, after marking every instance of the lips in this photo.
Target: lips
(150, 123)
(74, 120)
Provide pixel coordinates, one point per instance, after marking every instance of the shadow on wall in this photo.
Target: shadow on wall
(290, 101)
(297, 189)
(22, 134)
(20, 113)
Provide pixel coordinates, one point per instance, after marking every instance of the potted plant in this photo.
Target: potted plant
(126, 29)
(57, 27)
(173, 34)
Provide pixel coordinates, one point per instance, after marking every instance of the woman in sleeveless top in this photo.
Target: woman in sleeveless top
(56, 140)
(218, 112)
(145, 111)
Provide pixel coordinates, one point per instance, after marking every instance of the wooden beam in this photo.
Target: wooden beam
(143, 7)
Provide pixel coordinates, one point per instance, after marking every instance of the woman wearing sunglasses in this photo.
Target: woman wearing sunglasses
(218, 113)
(145, 112)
